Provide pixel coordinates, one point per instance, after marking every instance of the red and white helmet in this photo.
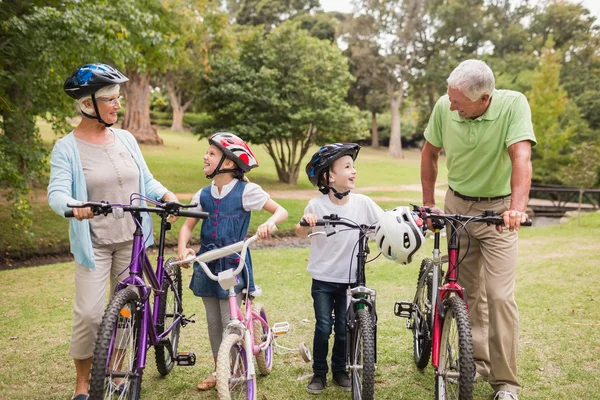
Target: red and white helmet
(399, 234)
(235, 149)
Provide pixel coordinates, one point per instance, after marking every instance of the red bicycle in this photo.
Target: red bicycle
(438, 318)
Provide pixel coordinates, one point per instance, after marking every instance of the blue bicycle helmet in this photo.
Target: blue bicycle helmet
(90, 78)
(321, 162)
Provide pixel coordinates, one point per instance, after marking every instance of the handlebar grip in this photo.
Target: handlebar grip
(69, 214)
(303, 223)
(527, 223)
(193, 214)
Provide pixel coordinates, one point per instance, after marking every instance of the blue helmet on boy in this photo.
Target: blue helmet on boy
(321, 162)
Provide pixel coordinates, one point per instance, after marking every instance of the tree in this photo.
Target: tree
(549, 102)
(583, 170)
(268, 13)
(202, 30)
(41, 43)
(284, 91)
(368, 89)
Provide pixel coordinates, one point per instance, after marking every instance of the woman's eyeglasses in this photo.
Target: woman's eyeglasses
(112, 102)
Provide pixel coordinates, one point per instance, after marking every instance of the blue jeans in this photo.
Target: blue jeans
(329, 297)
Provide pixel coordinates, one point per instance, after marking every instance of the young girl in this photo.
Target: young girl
(229, 201)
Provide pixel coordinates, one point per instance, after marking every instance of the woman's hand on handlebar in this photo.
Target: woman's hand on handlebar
(183, 254)
(83, 213)
(170, 197)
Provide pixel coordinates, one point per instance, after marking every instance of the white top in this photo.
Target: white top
(330, 257)
(253, 199)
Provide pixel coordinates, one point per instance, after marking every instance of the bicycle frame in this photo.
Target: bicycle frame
(439, 294)
(242, 323)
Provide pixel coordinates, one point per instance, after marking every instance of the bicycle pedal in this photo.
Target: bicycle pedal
(185, 321)
(403, 309)
(186, 359)
(280, 328)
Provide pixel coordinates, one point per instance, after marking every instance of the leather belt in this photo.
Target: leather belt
(471, 198)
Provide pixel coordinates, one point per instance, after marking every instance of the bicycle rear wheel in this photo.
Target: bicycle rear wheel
(232, 368)
(169, 308)
(421, 315)
(114, 372)
(264, 359)
(456, 370)
(362, 359)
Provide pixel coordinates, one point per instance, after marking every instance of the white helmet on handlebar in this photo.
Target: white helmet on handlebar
(399, 234)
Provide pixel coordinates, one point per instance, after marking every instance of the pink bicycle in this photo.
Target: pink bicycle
(248, 335)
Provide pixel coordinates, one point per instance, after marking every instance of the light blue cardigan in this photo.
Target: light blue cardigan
(67, 186)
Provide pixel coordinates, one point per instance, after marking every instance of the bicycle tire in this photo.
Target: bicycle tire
(421, 316)
(169, 308)
(232, 367)
(363, 357)
(121, 323)
(456, 354)
(264, 358)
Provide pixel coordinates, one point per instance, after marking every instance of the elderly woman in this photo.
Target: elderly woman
(92, 163)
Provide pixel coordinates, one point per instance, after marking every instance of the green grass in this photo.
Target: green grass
(556, 291)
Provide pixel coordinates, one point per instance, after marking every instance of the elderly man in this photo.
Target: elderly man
(487, 136)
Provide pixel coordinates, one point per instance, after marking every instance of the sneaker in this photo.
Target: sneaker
(505, 395)
(317, 384)
(343, 380)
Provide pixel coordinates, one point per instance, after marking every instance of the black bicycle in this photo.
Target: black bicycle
(361, 318)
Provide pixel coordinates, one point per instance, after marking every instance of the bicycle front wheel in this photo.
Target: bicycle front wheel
(421, 315)
(363, 357)
(232, 370)
(169, 309)
(114, 372)
(456, 370)
(264, 359)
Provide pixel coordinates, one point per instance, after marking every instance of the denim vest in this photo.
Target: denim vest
(227, 224)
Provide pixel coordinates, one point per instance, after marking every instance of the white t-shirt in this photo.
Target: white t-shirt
(253, 199)
(330, 257)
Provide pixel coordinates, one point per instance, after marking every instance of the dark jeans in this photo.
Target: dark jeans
(329, 297)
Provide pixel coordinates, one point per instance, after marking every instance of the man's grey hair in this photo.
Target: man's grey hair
(106, 91)
(473, 78)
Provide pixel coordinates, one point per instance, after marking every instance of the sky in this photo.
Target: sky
(346, 6)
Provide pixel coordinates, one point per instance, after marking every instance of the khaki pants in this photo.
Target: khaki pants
(488, 273)
(90, 295)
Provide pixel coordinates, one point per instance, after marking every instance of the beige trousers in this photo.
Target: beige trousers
(90, 295)
(488, 273)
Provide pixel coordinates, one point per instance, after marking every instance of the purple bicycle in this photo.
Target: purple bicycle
(140, 314)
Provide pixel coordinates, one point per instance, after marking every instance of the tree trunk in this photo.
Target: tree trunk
(579, 207)
(179, 109)
(395, 148)
(137, 109)
(374, 131)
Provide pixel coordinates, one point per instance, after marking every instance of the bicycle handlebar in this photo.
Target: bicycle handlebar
(333, 220)
(204, 258)
(489, 217)
(169, 208)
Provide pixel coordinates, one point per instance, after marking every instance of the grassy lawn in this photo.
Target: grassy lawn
(178, 165)
(556, 291)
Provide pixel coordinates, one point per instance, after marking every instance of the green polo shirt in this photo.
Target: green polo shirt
(476, 149)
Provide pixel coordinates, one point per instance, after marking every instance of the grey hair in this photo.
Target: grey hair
(473, 78)
(106, 91)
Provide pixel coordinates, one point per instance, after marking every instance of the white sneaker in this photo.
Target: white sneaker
(505, 395)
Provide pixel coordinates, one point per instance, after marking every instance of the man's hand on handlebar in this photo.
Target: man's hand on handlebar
(512, 220)
(434, 210)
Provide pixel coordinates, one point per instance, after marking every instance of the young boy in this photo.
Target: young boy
(331, 169)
